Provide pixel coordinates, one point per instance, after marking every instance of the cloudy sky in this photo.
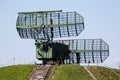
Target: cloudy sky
(102, 20)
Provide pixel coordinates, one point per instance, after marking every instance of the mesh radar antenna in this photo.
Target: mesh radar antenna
(43, 26)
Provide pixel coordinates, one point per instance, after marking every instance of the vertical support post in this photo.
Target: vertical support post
(30, 20)
(21, 20)
(35, 19)
(25, 20)
(72, 41)
(93, 51)
(100, 50)
(21, 30)
(76, 44)
(69, 59)
(18, 21)
(78, 57)
(31, 32)
(26, 33)
(32, 24)
(75, 23)
(84, 51)
(77, 54)
(72, 45)
(51, 23)
(72, 57)
(44, 33)
(67, 23)
(59, 23)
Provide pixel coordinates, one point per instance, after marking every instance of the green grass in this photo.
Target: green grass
(103, 73)
(75, 72)
(15, 72)
(69, 72)
(60, 72)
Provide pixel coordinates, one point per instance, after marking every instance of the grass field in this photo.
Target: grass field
(103, 73)
(15, 72)
(61, 72)
(69, 72)
(75, 72)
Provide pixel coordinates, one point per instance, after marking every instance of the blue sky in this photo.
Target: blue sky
(101, 17)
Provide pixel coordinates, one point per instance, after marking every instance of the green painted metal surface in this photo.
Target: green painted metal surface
(43, 54)
(40, 12)
(51, 51)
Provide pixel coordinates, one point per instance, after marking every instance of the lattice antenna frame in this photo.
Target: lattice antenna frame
(49, 24)
(88, 50)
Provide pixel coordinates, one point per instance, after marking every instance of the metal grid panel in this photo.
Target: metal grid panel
(39, 25)
(89, 50)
